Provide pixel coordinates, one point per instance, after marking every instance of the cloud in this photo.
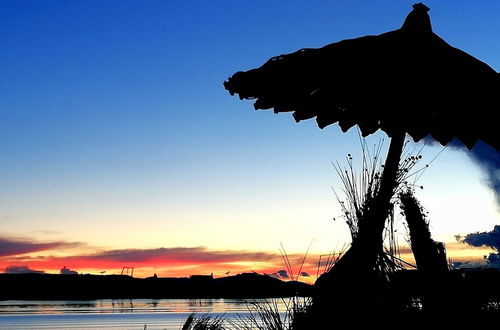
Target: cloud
(488, 160)
(490, 239)
(486, 157)
(172, 257)
(198, 254)
(15, 246)
(283, 273)
(280, 274)
(171, 260)
(67, 271)
(493, 260)
(46, 232)
(304, 274)
(467, 264)
(20, 270)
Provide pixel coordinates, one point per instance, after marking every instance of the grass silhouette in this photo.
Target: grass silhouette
(261, 316)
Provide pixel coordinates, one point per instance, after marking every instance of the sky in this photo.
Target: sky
(120, 147)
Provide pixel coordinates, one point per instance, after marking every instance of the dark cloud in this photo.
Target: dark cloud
(280, 274)
(283, 273)
(493, 260)
(20, 270)
(488, 160)
(490, 239)
(304, 274)
(486, 157)
(13, 246)
(67, 271)
(467, 264)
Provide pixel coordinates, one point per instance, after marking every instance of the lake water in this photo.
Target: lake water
(118, 314)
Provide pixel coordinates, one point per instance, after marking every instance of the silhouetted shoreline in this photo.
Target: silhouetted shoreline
(86, 287)
(467, 288)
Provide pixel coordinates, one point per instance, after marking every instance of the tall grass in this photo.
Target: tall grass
(361, 183)
(261, 316)
(203, 322)
(361, 179)
(267, 316)
(288, 264)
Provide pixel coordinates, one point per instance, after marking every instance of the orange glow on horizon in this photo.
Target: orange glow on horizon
(162, 267)
(143, 271)
(218, 263)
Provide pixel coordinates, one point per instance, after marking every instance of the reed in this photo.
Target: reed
(203, 322)
(261, 316)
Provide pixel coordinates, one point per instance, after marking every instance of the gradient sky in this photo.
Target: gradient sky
(117, 136)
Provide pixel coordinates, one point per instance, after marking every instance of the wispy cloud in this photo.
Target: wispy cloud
(47, 232)
(15, 246)
(171, 261)
(198, 254)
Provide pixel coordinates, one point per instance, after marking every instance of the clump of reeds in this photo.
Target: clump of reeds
(261, 316)
(360, 188)
(327, 261)
(267, 315)
(203, 322)
(293, 276)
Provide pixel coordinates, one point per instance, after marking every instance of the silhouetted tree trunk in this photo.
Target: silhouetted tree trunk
(371, 226)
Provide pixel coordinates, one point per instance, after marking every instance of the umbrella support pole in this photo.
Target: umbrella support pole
(359, 268)
(377, 210)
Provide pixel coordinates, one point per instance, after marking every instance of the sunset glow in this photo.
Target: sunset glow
(184, 262)
(121, 148)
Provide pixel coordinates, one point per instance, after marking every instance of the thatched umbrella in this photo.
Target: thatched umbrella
(407, 81)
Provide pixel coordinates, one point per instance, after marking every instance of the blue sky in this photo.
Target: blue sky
(116, 130)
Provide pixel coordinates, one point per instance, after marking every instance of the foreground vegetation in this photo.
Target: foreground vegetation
(262, 316)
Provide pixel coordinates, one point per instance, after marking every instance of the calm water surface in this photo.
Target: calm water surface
(117, 314)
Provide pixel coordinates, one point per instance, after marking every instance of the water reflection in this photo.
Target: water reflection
(17, 306)
(117, 313)
(200, 302)
(128, 306)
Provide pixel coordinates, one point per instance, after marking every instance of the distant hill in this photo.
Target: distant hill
(84, 287)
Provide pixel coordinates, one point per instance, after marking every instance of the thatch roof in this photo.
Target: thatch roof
(407, 79)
